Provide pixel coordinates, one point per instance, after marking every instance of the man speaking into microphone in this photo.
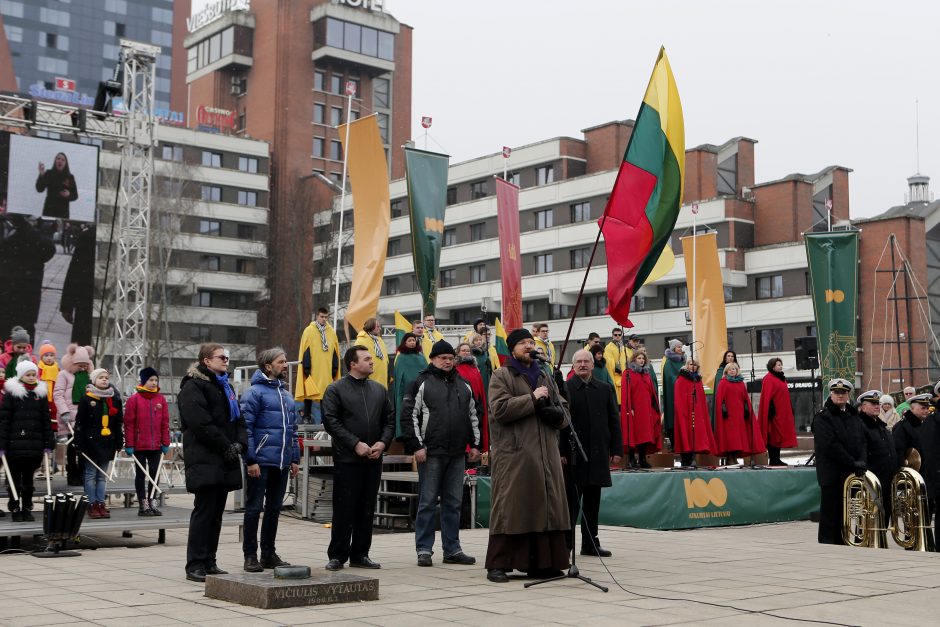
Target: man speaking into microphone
(529, 514)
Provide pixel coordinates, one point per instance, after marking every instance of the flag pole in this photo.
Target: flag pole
(577, 305)
(350, 90)
(694, 308)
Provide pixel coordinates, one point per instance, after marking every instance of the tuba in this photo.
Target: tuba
(863, 522)
(910, 516)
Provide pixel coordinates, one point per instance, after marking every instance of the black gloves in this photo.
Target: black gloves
(232, 452)
(860, 469)
(618, 369)
(551, 415)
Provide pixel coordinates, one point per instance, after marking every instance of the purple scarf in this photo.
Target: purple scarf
(531, 372)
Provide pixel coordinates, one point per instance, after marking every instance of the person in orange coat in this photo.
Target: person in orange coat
(736, 430)
(640, 417)
(693, 429)
(776, 412)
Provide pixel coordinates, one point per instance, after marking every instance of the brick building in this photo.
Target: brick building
(277, 71)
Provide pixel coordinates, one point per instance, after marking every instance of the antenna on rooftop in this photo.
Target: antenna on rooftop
(917, 130)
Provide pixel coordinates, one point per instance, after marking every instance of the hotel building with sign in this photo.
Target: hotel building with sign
(279, 71)
(565, 183)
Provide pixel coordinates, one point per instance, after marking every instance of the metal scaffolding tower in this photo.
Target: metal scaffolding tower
(132, 261)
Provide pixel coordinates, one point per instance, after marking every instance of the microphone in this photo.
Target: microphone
(537, 355)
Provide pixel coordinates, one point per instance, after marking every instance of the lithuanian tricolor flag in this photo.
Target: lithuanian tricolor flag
(502, 348)
(402, 326)
(647, 194)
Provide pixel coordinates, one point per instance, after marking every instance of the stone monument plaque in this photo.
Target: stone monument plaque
(264, 591)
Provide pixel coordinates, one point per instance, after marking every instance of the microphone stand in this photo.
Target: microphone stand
(576, 450)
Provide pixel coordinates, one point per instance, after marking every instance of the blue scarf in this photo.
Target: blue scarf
(531, 372)
(735, 378)
(230, 394)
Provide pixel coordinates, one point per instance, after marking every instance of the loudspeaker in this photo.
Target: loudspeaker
(807, 353)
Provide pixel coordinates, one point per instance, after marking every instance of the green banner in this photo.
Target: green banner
(690, 499)
(427, 200)
(833, 272)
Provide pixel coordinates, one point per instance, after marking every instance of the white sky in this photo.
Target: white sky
(817, 83)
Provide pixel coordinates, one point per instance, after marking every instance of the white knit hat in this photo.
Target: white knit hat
(887, 398)
(25, 366)
(97, 372)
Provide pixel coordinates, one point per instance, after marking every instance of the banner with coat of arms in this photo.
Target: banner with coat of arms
(833, 272)
(510, 261)
(426, 175)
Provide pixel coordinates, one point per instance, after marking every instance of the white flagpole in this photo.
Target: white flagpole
(694, 304)
(342, 206)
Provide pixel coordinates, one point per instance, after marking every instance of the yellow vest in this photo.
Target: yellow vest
(548, 348)
(380, 373)
(427, 342)
(314, 384)
(617, 355)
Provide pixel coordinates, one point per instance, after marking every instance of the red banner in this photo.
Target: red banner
(510, 261)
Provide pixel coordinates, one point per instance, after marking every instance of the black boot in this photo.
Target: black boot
(687, 458)
(774, 454)
(641, 455)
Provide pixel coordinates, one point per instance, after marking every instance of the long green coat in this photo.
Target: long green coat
(407, 366)
(670, 373)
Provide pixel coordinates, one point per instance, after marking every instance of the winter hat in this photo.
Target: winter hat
(145, 374)
(442, 347)
(47, 347)
(25, 366)
(82, 355)
(886, 399)
(517, 335)
(674, 344)
(97, 372)
(19, 335)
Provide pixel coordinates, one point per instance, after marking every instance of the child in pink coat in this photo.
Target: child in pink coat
(147, 435)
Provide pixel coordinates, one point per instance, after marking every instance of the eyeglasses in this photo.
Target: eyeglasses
(618, 334)
(222, 357)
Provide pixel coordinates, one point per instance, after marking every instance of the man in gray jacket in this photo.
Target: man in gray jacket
(439, 421)
(359, 416)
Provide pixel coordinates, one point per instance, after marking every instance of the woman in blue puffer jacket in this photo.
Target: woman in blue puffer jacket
(273, 452)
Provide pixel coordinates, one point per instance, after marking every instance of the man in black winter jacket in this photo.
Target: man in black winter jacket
(879, 445)
(907, 432)
(440, 419)
(359, 416)
(840, 451)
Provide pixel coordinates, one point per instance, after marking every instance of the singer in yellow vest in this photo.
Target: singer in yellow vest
(370, 338)
(542, 341)
(617, 357)
(431, 336)
(319, 364)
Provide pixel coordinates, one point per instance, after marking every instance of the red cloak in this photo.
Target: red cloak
(776, 412)
(736, 425)
(472, 374)
(704, 438)
(640, 418)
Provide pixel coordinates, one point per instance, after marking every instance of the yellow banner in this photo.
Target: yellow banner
(708, 308)
(368, 178)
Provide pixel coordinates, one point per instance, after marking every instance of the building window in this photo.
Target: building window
(202, 299)
(544, 219)
(448, 277)
(544, 174)
(397, 208)
(200, 332)
(172, 153)
(318, 147)
(14, 33)
(638, 303)
(245, 266)
(581, 212)
(677, 296)
(543, 263)
(811, 330)
(211, 193)
(391, 286)
(336, 116)
(528, 311)
(360, 39)
(559, 312)
(346, 257)
(249, 199)
(478, 189)
(209, 262)
(382, 119)
(451, 196)
(580, 257)
(211, 159)
(450, 237)
(515, 178)
(248, 164)
(336, 150)
(477, 231)
(394, 248)
(11, 8)
(236, 335)
(728, 293)
(595, 304)
(210, 227)
(478, 273)
(770, 286)
(771, 340)
(380, 93)
(246, 231)
(319, 80)
(336, 84)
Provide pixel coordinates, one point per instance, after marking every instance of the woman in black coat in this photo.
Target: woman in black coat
(214, 437)
(25, 433)
(59, 185)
